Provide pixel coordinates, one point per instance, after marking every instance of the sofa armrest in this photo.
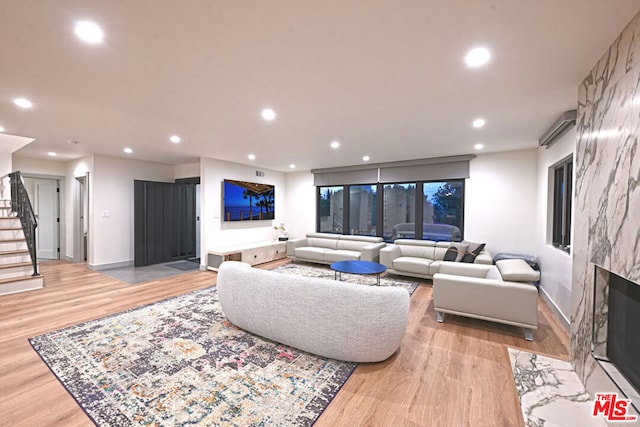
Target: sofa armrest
(484, 257)
(464, 269)
(388, 254)
(296, 243)
(508, 302)
(372, 252)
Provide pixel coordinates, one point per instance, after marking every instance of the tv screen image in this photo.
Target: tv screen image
(248, 201)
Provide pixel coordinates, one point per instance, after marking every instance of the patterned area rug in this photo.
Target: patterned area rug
(180, 362)
(316, 270)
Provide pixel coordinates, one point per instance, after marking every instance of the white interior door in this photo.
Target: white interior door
(46, 209)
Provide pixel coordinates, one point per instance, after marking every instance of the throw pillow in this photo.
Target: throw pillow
(455, 252)
(473, 251)
(451, 254)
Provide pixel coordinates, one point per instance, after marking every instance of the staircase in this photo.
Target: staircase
(16, 268)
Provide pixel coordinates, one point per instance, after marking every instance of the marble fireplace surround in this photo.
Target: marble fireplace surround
(606, 224)
(600, 338)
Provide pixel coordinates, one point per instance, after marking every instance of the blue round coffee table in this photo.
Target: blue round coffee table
(357, 267)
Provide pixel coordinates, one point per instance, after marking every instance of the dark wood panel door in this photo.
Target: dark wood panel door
(164, 221)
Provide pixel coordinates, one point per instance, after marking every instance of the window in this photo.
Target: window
(398, 211)
(442, 210)
(411, 210)
(330, 209)
(562, 196)
(362, 210)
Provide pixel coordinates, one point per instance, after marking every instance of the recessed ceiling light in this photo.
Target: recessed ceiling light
(89, 32)
(251, 156)
(128, 150)
(477, 57)
(366, 158)
(335, 144)
(478, 146)
(1, 129)
(478, 123)
(175, 139)
(268, 114)
(292, 166)
(23, 103)
(52, 153)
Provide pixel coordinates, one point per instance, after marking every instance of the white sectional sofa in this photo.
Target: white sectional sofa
(327, 248)
(420, 258)
(339, 320)
(503, 293)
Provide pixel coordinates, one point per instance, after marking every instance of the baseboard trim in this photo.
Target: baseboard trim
(99, 267)
(565, 322)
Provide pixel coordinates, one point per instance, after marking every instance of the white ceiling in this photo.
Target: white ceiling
(385, 78)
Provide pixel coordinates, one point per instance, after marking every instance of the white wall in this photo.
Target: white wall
(216, 232)
(301, 204)
(27, 165)
(111, 224)
(9, 144)
(500, 201)
(555, 264)
(187, 171)
(5, 161)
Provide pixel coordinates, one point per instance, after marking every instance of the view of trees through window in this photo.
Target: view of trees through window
(394, 210)
(330, 201)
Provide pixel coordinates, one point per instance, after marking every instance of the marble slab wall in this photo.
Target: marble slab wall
(607, 191)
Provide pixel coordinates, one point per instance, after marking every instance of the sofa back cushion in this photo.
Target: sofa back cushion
(351, 245)
(417, 248)
(323, 240)
(356, 243)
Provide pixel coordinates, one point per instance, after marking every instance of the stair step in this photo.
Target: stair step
(15, 279)
(14, 256)
(16, 252)
(15, 264)
(16, 269)
(13, 240)
(20, 284)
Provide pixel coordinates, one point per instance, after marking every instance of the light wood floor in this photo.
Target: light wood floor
(451, 374)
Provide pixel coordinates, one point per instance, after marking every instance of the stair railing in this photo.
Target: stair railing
(21, 205)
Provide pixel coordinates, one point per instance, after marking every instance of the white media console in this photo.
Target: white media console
(251, 253)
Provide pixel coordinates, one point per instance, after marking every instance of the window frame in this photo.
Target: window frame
(562, 203)
(379, 205)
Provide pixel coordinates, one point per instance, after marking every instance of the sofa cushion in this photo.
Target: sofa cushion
(493, 274)
(321, 242)
(312, 253)
(367, 239)
(517, 270)
(412, 264)
(352, 245)
(341, 255)
(434, 267)
(415, 251)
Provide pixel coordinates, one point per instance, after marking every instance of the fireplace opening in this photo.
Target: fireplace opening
(623, 329)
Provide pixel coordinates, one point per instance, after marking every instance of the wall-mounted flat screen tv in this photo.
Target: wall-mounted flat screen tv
(248, 201)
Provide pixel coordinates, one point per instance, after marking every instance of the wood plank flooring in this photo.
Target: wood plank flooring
(451, 374)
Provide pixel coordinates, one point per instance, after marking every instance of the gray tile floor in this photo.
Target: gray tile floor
(133, 275)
